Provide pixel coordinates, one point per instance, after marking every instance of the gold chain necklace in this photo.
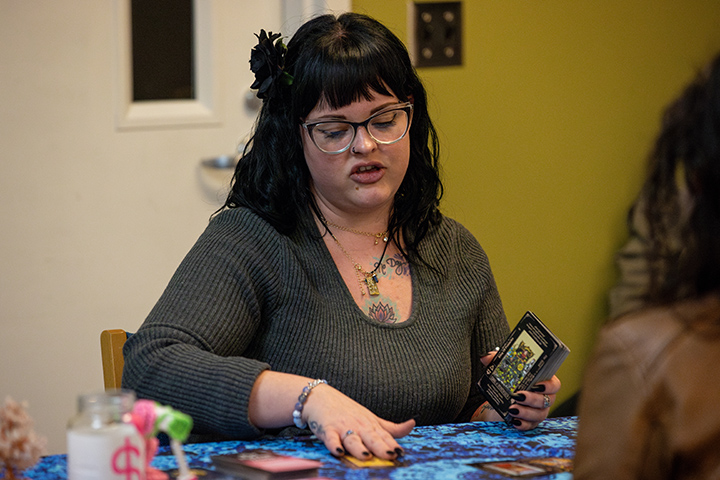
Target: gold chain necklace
(377, 236)
(365, 278)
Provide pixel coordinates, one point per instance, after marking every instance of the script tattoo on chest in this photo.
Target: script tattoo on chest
(395, 265)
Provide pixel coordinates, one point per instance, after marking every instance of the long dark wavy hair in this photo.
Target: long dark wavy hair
(337, 61)
(684, 253)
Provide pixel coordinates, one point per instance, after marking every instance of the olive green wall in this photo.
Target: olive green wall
(545, 130)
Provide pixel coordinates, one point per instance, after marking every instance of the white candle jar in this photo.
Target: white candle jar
(102, 442)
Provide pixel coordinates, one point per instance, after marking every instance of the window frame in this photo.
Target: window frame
(203, 110)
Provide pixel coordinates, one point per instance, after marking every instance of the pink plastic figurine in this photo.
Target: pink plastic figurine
(150, 418)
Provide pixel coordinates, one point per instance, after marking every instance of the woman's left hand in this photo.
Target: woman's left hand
(530, 407)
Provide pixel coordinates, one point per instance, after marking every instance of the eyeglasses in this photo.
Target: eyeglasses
(385, 127)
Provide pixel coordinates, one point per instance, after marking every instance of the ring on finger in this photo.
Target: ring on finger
(546, 401)
(347, 434)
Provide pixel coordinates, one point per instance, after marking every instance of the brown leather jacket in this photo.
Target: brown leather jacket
(650, 405)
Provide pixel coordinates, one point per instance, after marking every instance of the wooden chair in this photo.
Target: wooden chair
(111, 345)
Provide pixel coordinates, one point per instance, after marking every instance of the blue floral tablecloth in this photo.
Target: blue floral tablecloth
(431, 452)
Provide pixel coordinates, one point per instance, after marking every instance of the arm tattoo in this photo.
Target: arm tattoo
(477, 416)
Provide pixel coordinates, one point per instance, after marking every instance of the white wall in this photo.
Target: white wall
(93, 220)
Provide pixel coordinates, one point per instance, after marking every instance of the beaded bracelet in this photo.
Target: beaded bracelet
(301, 402)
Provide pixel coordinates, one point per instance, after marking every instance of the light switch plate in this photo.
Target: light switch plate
(435, 33)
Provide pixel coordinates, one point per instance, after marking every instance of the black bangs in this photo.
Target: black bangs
(347, 64)
(348, 86)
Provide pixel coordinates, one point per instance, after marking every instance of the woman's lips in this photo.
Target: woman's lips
(367, 173)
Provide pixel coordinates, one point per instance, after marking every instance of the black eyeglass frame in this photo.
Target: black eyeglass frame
(407, 107)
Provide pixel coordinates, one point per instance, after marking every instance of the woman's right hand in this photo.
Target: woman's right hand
(344, 425)
(340, 422)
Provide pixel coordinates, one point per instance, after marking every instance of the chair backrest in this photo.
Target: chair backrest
(111, 345)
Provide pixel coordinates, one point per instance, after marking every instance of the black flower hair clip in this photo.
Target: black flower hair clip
(267, 62)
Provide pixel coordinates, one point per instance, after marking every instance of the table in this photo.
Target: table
(431, 452)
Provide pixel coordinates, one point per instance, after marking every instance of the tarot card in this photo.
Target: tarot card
(511, 469)
(372, 463)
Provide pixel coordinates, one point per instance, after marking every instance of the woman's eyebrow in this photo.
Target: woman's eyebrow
(334, 116)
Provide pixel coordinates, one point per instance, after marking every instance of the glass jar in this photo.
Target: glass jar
(102, 442)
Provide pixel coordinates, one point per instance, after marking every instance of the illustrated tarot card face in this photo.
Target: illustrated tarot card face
(519, 359)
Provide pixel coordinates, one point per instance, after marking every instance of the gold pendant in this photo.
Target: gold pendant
(372, 285)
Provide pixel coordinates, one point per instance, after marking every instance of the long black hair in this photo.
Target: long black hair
(336, 61)
(684, 253)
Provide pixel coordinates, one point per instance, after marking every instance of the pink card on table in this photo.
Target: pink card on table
(266, 464)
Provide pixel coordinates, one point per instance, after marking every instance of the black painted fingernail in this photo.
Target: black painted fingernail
(513, 411)
(399, 451)
(537, 388)
(390, 452)
(516, 422)
(520, 397)
(365, 454)
(340, 451)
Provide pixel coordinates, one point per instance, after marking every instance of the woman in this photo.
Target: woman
(649, 402)
(331, 271)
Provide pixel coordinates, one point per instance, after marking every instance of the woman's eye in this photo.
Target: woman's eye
(333, 130)
(385, 120)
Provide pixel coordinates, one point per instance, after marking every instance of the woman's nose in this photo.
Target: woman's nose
(363, 141)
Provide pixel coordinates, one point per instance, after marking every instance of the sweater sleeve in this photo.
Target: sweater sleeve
(490, 325)
(188, 352)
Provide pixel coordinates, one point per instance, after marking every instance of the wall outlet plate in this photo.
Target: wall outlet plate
(435, 33)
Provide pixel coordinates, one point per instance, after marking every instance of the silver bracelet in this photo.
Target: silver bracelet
(297, 413)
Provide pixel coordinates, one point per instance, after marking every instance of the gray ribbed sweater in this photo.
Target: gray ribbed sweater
(247, 298)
